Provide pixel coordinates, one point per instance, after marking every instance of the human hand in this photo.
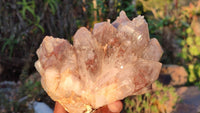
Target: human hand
(114, 107)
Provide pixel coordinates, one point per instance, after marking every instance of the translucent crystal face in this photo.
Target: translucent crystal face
(112, 62)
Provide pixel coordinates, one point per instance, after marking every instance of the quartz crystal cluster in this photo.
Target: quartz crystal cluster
(112, 62)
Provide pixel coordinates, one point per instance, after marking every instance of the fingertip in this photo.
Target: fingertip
(115, 106)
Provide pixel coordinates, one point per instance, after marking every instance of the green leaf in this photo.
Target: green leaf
(146, 105)
(129, 8)
(183, 42)
(153, 100)
(154, 109)
(157, 93)
(189, 30)
(127, 101)
(4, 46)
(194, 50)
(158, 84)
(23, 11)
(165, 89)
(192, 76)
(138, 109)
(53, 10)
(139, 98)
(31, 11)
(197, 41)
(163, 100)
(189, 41)
(147, 95)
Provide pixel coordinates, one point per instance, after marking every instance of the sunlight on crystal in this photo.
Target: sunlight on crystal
(139, 37)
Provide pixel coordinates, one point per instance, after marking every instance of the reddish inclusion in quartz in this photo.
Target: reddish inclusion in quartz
(114, 61)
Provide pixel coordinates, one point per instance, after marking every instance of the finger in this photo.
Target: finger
(59, 109)
(115, 106)
(103, 109)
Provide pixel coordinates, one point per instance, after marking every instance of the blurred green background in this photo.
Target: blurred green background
(24, 24)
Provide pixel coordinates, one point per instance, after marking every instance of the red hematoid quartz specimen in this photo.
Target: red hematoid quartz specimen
(112, 62)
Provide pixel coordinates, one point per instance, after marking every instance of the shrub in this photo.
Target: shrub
(160, 100)
(190, 52)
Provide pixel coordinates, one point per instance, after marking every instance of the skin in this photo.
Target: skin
(114, 107)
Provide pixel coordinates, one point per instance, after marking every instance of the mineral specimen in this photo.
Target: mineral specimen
(114, 61)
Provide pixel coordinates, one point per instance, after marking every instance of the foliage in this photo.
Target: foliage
(53, 5)
(129, 6)
(165, 24)
(30, 17)
(176, 24)
(17, 98)
(11, 106)
(100, 10)
(157, 7)
(29, 7)
(160, 100)
(191, 55)
(10, 43)
(191, 44)
(24, 23)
